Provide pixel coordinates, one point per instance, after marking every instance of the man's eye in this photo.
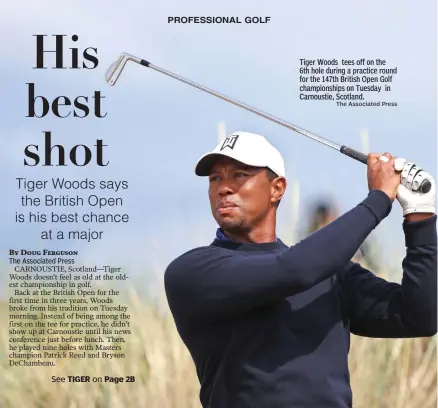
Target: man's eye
(241, 174)
(213, 178)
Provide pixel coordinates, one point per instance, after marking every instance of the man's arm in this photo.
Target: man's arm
(378, 308)
(212, 283)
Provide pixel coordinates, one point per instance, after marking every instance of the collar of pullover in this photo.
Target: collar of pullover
(223, 241)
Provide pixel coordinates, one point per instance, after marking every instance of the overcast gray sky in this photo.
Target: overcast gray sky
(156, 128)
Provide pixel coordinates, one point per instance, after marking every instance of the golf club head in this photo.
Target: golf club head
(115, 69)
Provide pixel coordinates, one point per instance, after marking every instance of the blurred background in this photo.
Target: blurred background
(156, 128)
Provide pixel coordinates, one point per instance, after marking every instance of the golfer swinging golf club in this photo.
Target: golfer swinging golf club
(267, 325)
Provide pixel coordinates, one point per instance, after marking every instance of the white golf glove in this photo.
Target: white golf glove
(410, 198)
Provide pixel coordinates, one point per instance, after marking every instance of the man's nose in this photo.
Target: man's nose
(225, 187)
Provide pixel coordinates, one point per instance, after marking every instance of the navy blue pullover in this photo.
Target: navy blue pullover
(269, 326)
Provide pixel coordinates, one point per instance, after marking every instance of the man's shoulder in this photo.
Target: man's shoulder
(191, 257)
(189, 265)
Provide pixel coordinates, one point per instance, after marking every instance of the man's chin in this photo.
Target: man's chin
(230, 224)
(229, 218)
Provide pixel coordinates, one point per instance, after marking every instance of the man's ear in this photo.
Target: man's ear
(278, 188)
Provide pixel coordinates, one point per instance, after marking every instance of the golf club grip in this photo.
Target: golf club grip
(425, 187)
(354, 154)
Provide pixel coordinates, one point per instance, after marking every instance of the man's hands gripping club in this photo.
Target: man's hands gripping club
(411, 199)
(401, 180)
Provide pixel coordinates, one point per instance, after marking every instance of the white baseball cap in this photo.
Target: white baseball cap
(248, 148)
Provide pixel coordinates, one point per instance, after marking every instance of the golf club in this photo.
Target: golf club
(115, 69)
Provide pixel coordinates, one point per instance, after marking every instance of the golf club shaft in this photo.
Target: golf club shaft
(348, 151)
(343, 149)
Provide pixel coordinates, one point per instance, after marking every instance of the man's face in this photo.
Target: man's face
(240, 196)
